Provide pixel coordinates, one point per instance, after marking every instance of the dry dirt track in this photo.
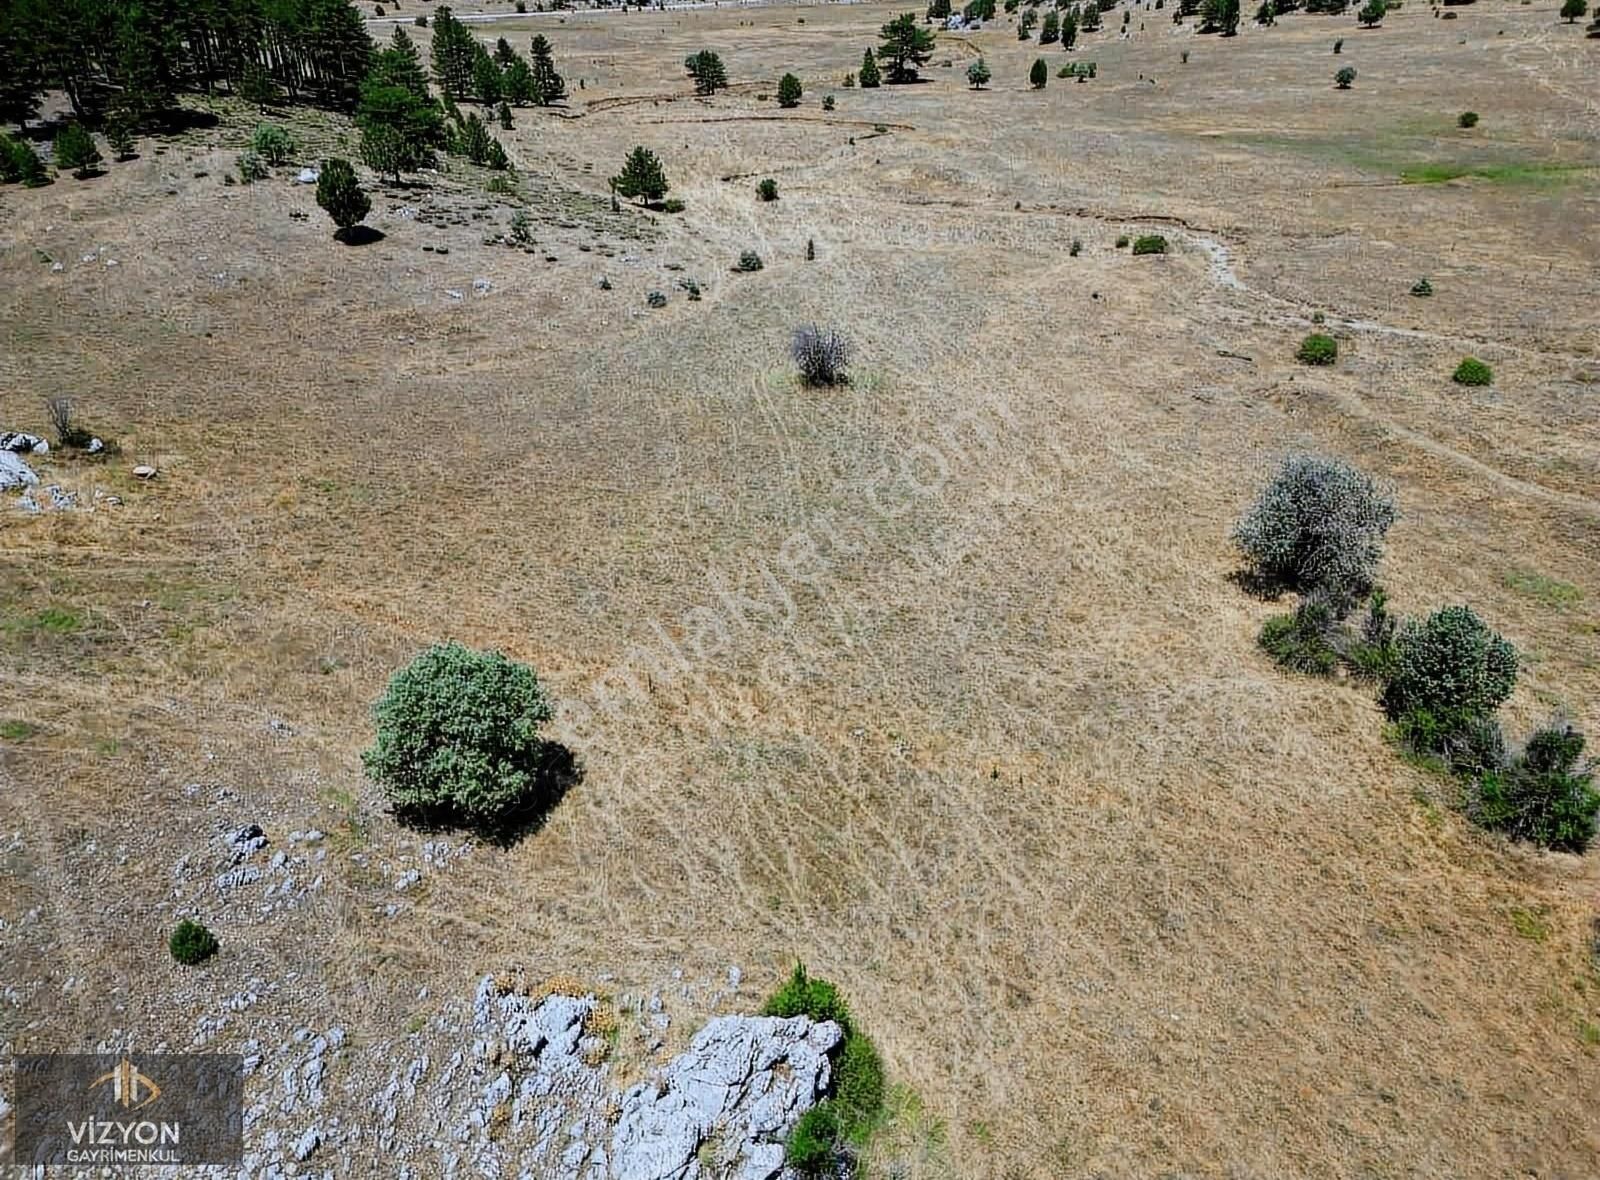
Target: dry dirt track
(937, 681)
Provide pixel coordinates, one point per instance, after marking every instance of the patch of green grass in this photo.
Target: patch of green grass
(50, 620)
(1550, 591)
(1589, 1032)
(1532, 922)
(1520, 172)
(14, 730)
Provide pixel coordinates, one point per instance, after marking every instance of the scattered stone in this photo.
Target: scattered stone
(14, 473)
(96, 445)
(144, 471)
(481, 286)
(407, 879)
(455, 294)
(307, 176)
(245, 842)
(19, 443)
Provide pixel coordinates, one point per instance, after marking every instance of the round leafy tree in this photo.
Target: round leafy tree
(1473, 372)
(978, 74)
(192, 943)
(458, 731)
(1450, 664)
(642, 176)
(1317, 349)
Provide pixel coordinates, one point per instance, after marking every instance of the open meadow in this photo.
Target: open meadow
(938, 681)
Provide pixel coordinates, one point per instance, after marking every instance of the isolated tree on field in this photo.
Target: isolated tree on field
(707, 71)
(548, 86)
(341, 196)
(1372, 13)
(76, 151)
(641, 176)
(1345, 77)
(1571, 10)
(978, 74)
(869, 76)
(1039, 74)
(453, 54)
(906, 46)
(789, 91)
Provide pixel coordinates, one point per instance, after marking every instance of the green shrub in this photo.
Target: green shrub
(749, 262)
(1122, 241)
(1317, 527)
(767, 190)
(672, 205)
(1457, 740)
(192, 943)
(1300, 641)
(20, 163)
(251, 167)
(76, 151)
(1149, 244)
(812, 1146)
(1544, 795)
(1450, 665)
(1345, 77)
(1076, 248)
(1472, 371)
(1372, 655)
(803, 996)
(458, 732)
(858, 1088)
(1317, 349)
(1422, 288)
(272, 143)
(119, 137)
(1467, 119)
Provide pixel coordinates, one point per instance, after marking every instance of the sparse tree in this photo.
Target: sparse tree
(642, 176)
(870, 76)
(272, 143)
(341, 196)
(978, 74)
(906, 46)
(789, 91)
(821, 354)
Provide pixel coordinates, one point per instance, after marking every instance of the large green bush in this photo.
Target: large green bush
(458, 731)
(812, 1148)
(1317, 527)
(1450, 664)
(1317, 349)
(1472, 371)
(858, 1087)
(817, 999)
(1545, 795)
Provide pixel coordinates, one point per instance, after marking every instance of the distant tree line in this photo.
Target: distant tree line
(129, 60)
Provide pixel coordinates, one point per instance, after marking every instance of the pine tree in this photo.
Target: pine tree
(474, 140)
(869, 77)
(341, 196)
(485, 76)
(1039, 74)
(398, 130)
(452, 54)
(978, 74)
(707, 71)
(1069, 29)
(548, 86)
(641, 176)
(119, 137)
(906, 46)
(1372, 13)
(401, 65)
(1050, 31)
(518, 79)
(21, 69)
(789, 91)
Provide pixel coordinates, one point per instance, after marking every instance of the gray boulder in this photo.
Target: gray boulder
(14, 473)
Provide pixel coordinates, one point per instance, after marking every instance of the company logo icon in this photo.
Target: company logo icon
(131, 1089)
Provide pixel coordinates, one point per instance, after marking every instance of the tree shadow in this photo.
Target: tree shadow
(558, 772)
(1260, 586)
(359, 235)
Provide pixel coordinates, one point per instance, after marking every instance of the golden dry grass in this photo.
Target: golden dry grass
(990, 744)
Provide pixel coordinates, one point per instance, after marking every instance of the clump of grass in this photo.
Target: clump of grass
(1317, 349)
(1550, 591)
(1472, 371)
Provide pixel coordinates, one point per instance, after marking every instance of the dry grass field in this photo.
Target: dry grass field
(938, 681)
